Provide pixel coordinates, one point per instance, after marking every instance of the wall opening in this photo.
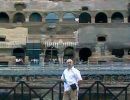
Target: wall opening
(117, 17)
(84, 18)
(35, 17)
(101, 18)
(19, 53)
(51, 54)
(52, 18)
(69, 17)
(4, 18)
(101, 38)
(118, 52)
(69, 53)
(19, 18)
(84, 53)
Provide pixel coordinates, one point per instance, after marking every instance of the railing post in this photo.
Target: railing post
(60, 96)
(14, 94)
(41, 98)
(52, 96)
(22, 95)
(30, 96)
(105, 95)
(126, 93)
(97, 90)
(90, 93)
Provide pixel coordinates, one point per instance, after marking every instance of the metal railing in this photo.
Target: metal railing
(94, 91)
(105, 92)
(23, 88)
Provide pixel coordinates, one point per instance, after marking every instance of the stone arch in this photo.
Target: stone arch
(117, 17)
(19, 17)
(51, 53)
(69, 53)
(52, 17)
(4, 18)
(101, 18)
(84, 18)
(118, 52)
(35, 17)
(84, 53)
(69, 16)
(19, 52)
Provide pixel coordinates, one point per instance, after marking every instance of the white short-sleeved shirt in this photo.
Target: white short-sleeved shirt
(71, 76)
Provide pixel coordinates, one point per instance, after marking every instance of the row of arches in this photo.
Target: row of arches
(52, 17)
(51, 53)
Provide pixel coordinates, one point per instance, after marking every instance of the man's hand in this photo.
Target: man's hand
(80, 82)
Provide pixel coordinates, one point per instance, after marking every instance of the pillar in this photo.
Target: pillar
(60, 20)
(125, 52)
(60, 58)
(93, 20)
(11, 19)
(27, 19)
(76, 55)
(42, 56)
(109, 20)
(125, 20)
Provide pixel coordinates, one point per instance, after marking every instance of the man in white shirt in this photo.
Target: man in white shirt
(71, 76)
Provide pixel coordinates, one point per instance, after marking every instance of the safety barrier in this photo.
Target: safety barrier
(94, 91)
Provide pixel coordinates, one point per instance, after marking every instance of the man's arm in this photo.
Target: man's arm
(63, 77)
(79, 78)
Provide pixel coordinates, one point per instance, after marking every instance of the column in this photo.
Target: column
(60, 20)
(126, 57)
(27, 19)
(93, 20)
(60, 58)
(109, 20)
(42, 56)
(11, 19)
(76, 55)
(43, 19)
(125, 20)
(125, 52)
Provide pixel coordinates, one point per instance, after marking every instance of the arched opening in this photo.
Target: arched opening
(101, 18)
(19, 53)
(19, 18)
(84, 18)
(4, 18)
(51, 54)
(84, 53)
(118, 52)
(68, 53)
(128, 19)
(51, 18)
(68, 17)
(35, 17)
(117, 17)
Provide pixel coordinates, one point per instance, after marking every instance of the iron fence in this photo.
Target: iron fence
(95, 91)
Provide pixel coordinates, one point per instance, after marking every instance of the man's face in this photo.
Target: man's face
(69, 64)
